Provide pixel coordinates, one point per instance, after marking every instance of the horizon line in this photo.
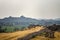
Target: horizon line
(29, 17)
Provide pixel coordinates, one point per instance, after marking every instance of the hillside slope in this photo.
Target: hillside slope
(18, 34)
(57, 37)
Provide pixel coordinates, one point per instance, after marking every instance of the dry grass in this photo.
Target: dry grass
(18, 34)
(57, 37)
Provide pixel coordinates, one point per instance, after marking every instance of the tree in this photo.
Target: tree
(0, 29)
(52, 29)
(16, 29)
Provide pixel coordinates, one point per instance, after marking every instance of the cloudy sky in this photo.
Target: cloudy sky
(30, 8)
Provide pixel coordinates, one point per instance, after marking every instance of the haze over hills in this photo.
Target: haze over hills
(25, 21)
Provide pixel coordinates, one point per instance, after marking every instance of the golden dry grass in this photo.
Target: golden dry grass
(18, 34)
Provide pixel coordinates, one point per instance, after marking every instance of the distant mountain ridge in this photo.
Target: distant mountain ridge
(24, 21)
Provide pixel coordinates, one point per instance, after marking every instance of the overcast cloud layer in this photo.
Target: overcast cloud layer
(30, 8)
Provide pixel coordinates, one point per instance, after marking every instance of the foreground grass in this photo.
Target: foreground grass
(18, 34)
(57, 37)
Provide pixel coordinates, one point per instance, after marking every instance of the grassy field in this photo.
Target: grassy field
(57, 37)
(11, 28)
(18, 34)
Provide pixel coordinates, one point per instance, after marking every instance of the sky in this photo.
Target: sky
(30, 8)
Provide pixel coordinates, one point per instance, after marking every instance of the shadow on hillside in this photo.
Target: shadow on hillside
(47, 32)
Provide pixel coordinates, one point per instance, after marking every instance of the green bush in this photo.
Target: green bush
(11, 28)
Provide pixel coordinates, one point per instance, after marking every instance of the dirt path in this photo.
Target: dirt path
(19, 34)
